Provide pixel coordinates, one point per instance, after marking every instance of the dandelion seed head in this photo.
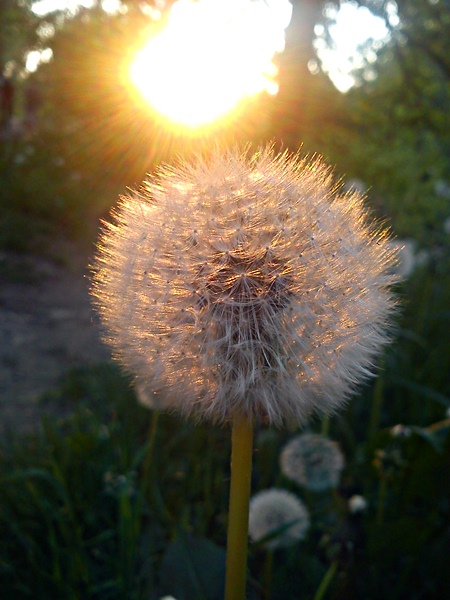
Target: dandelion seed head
(357, 504)
(280, 511)
(244, 284)
(313, 461)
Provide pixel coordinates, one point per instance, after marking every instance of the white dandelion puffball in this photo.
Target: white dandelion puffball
(244, 285)
(357, 504)
(313, 461)
(277, 512)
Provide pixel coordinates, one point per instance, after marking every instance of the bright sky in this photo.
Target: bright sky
(352, 27)
(42, 7)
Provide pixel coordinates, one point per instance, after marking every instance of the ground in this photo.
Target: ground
(47, 326)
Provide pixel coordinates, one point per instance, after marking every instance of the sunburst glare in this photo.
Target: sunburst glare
(210, 56)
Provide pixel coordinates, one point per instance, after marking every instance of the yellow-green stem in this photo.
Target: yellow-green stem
(241, 470)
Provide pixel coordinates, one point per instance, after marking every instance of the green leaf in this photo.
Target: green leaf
(193, 568)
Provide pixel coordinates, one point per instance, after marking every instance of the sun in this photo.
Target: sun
(210, 57)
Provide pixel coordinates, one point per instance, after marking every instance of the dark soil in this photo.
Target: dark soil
(47, 327)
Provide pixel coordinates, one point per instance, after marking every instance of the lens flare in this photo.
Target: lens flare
(210, 56)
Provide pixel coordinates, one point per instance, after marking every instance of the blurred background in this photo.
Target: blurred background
(101, 499)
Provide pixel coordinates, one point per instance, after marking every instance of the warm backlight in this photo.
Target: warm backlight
(211, 55)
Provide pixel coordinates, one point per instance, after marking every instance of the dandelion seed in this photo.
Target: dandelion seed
(280, 513)
(248, 286)
(313, 461)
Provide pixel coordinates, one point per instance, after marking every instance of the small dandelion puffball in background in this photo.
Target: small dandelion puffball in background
(280, 511)
(244, 285)
(357, 504)
(312, 461)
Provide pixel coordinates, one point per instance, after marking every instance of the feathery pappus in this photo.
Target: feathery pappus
(245, 283)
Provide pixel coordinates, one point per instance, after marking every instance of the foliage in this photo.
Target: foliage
(18, 30)
(43, 194)
(91, 136)
(392, 131)
(92, 517)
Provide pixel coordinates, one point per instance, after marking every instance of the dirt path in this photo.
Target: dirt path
(47, 326)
